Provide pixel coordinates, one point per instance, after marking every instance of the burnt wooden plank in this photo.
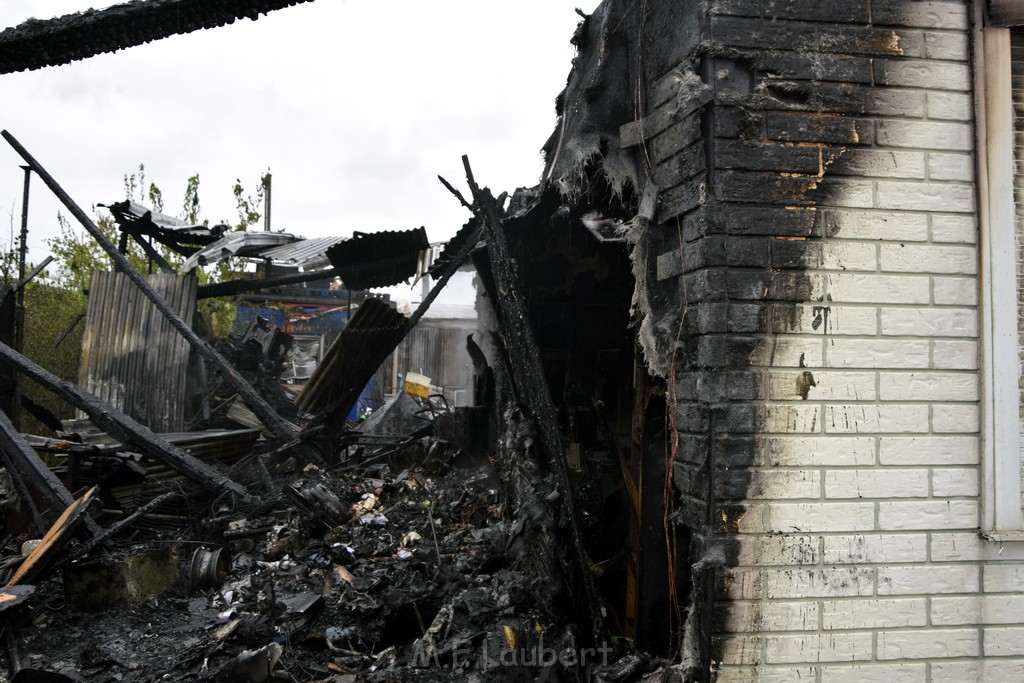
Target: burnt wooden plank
(125, 429)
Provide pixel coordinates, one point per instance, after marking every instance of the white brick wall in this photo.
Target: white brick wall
(860, 556)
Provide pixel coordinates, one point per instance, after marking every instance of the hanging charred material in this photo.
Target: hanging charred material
(124, 428)
(278, 426)
(527, 375)
(380, 259)
(23, 463)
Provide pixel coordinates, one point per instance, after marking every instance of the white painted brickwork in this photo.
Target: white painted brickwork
(860, 555)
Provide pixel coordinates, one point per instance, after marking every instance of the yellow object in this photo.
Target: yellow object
(510, 637)
(417, 384)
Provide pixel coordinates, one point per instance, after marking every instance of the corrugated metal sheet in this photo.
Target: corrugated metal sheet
(380, 259)
(237, 244)
(132, 357)
(437, 349)
(375, 326)
(304, 253)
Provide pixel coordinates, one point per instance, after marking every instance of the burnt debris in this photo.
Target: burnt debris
(224, 507)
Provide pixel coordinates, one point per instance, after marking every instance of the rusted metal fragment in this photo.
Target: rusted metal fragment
(242, 286)
(380, 259)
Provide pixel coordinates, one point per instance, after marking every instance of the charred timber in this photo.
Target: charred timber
(243, 286)
(277, 425)
(125, 429)
(527, 376)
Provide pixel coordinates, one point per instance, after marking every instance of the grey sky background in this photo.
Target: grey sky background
(355, 106)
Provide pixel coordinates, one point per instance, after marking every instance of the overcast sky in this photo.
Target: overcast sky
(355, 106)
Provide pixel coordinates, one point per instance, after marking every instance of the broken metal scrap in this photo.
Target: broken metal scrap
(123, 427)
(280, 427)
(22, 461)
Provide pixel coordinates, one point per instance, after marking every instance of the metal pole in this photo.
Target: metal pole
(19, 310)
(278, 426)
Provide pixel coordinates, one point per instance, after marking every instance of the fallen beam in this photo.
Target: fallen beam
(125, 429)
(242, 286)
(21, 460)
(123, 524)
(277, 425)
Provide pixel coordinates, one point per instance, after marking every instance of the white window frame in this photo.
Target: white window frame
(1001, 462)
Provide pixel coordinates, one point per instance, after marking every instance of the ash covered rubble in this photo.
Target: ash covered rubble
(277, 540)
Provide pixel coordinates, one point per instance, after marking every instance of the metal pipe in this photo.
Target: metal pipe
(277, 425)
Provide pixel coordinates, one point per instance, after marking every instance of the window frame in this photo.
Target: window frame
(1002, 518)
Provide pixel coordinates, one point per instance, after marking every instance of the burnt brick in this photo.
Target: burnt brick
(788, 253)
(709, 252)
(681, 198)
(705, 285)
(832, 11)
(748, 251)
(751, 285)
(738, 8)
(790, 286)
(723, 387)
(763, 188)
(681, 167)
(761, 157)
(731, 485)
(763, 220)
(691, 417)
(746, 319)
(820, 128)
(747, 33)
(725, 350)
(734, 122)
(817, 67)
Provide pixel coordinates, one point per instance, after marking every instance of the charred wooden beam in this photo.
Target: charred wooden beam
(152, 253)
(242, 286)
(529, 382)
(32, 273)
(123, 524)
(125, 429)
(22, 461)
(278, 426)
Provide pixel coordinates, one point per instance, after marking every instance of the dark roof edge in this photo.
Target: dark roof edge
(36, 43)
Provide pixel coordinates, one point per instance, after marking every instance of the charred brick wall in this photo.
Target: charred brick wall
(806, 267)
(828, 399)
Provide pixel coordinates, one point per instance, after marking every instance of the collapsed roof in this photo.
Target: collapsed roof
(35, 44)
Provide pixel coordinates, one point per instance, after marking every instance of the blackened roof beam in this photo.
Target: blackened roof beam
(36, 43)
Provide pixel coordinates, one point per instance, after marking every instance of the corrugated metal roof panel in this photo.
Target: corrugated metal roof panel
(380, 259)
(374, 326)
(303, 253)
(132, 357)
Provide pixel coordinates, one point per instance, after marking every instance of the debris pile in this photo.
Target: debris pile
(274, 539)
